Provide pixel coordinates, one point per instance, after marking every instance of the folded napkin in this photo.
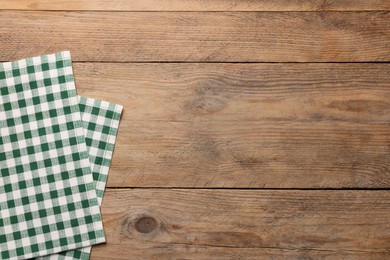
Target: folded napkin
(100, 122)
(51, 184)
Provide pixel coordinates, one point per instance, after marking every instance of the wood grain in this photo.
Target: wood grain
(198, 36)
(242, 224)
(197, 5)
(247, 125)
(221, 125)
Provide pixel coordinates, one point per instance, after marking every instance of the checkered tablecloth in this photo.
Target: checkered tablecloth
(55, 151)
(100, 121)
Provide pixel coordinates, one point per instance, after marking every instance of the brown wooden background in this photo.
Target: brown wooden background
(252, 129)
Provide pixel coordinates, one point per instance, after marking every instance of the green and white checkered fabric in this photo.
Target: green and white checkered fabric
(48, 202)
(100, 122)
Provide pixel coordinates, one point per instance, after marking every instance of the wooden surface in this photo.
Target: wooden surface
(261, 224)
(197, 5)
(251, 129)
(247, 125)
(199, 36)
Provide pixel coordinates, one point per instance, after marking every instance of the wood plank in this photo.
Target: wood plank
(197, 5)
(247, 125)
(244, 224)
(198, 36)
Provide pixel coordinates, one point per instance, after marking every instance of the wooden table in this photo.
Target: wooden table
(252, 129)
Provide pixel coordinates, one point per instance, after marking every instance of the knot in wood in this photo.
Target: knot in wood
(145, 224)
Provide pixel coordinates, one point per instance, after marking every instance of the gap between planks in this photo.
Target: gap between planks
(242, 188)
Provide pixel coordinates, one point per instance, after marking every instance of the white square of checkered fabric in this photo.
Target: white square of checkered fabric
(48, 202)
(100, 123)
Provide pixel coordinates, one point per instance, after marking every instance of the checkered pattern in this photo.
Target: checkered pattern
(48, 202)
(100, 122)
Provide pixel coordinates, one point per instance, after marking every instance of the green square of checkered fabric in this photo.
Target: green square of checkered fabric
(100, 121)
(48, 202)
